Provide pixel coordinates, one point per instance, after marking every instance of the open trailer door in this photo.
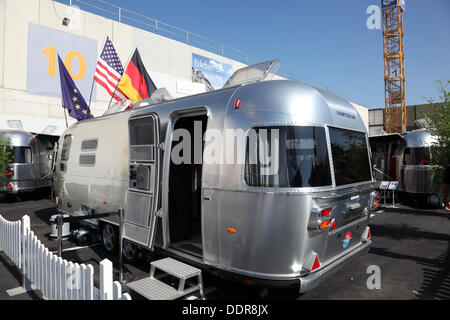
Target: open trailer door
(143, 191)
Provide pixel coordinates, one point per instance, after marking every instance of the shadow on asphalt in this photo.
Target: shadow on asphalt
(403, 231)
(436, 278)
(14, 271)
(419, 212)
(436, 273)
(25, 196)
(45, 214)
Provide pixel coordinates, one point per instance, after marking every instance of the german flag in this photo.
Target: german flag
(136, 84)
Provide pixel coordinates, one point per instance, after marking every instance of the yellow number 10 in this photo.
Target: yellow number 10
(51, 51)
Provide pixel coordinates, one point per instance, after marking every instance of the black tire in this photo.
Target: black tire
(110, 236)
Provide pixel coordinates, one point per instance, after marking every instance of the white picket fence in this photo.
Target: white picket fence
(56, 278)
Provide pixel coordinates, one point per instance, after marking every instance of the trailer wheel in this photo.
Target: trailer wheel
(109, 237)
(130, 250)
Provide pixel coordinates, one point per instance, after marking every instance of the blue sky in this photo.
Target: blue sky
(326, 43)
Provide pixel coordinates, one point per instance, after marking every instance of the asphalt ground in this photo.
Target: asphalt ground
(410, 247)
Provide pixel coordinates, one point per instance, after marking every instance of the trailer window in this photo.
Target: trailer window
(90, 145)
(87, 160)
(141, 131)
(298, 159)
(66, 148)
(416, 156)
(350, 156)
(20, 154)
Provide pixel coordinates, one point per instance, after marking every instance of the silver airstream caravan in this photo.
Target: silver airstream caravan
(31, 165)
(290, 226)
(407, 158)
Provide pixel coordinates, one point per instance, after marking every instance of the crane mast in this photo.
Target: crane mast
(394, 66)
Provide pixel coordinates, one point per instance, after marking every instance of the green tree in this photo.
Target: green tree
(5, 155)
(437, 122)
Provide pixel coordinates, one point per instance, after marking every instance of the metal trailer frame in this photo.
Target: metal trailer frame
(276, 240)
(29, 176)
(418, 181)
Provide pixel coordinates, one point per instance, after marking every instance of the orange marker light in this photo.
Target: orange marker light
(231, 230)
(325, 224)
(105, 202)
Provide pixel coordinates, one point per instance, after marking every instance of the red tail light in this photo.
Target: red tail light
(10, 186)
(333, 224)
(9, 172)
(377, 197)
(369, 235)
(325, 212)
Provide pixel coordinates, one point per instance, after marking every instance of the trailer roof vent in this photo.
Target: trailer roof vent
(257, 72)
(15, 124)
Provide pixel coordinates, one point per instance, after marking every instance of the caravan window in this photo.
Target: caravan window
(87, 160)
(90, 145)
(350, 156)
(20, 154)
(298, 158)
(417, 156)
(141, 131)
(66, 148)
(65, 151)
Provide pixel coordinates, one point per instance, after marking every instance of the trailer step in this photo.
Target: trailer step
(175, 268)
(154, 289)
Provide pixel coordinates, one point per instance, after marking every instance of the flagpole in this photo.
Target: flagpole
(93, 80)
(65, 115)
(125, 69)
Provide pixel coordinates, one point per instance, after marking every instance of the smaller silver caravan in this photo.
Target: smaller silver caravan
(31, 166)
(407, 158)
(290, 226)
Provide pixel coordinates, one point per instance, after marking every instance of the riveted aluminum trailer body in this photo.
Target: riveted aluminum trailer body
(271, 227)
(407, 158)
(30, 167)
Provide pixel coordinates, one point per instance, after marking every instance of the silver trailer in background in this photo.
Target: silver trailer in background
(407, 159)
(31, 167)
(289, 227)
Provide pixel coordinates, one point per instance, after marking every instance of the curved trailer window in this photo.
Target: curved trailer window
(350, 156)
(20, 154)
(287, 156)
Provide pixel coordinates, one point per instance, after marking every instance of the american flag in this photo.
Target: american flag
(109, 70)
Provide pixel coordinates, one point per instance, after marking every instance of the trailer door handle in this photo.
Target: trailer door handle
(206, 197)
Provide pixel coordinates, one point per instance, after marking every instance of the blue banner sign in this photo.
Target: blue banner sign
(392, 3)
(214, 74)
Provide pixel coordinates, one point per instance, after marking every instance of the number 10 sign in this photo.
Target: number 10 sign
(78, 53)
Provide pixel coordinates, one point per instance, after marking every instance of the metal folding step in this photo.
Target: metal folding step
(154, 289)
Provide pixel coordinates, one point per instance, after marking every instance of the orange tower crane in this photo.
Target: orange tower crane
(394, 66)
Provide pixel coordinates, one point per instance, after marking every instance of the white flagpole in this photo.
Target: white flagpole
(125, 69)
(92, 87)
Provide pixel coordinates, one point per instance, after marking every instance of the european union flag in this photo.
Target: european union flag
(72, 99)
